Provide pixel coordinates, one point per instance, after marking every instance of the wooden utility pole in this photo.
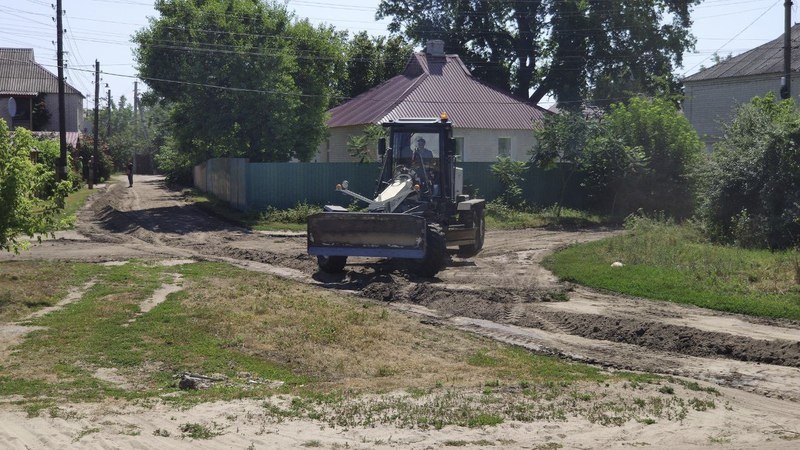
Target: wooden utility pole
(135, 119)
(61, 170)
(136, 107)
(108, 117)
(96, 109)
(786, 85)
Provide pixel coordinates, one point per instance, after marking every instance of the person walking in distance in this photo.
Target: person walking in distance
(130, 173)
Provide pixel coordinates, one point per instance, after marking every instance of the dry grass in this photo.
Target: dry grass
(28, 286)
(337, 340)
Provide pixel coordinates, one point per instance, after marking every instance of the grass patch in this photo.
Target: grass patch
(502, 217)
(197, 431)
(309, 353)
(74, 202)
(674, 262)
(28, 286)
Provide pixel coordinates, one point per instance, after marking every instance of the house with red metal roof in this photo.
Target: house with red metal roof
(487, 122)
(713, 94)
(31, 92)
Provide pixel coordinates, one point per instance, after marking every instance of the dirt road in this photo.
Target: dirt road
(503, 293)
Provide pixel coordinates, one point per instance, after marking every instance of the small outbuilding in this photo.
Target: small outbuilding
(487, 122)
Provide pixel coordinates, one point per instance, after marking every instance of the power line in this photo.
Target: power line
(734, 37)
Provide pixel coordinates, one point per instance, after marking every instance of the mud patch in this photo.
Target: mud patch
(299, 261)
(679, 339)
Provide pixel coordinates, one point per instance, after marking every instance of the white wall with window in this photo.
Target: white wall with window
(472, 145)
(478, 145)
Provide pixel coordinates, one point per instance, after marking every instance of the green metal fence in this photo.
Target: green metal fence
(283, 185)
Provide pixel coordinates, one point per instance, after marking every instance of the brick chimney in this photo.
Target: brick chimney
(435, 47)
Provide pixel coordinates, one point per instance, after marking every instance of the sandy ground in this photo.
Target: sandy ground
(502, 293)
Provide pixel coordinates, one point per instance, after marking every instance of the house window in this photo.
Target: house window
(504, 147)
(23, 116)
(459, 148)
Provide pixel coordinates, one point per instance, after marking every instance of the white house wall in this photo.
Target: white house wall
(482, 145)
(479, 145)
(710, 103)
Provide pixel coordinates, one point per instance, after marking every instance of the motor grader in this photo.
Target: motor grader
(418, 211)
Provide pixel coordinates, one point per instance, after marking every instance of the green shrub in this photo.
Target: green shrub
(298, 214)
(751, 189)
(641, 155)
(176, 166)
(509, 173)
(30, 195)
(657, 134)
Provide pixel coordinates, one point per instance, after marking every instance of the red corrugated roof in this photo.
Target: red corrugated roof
(431, 85)
(20, 74)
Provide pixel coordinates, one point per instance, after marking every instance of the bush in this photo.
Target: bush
(658, 136)
(175, 165)
(751, 189)
(509, 173)
(30, 195)
(299, 214)
(642, 155)
(103, 164)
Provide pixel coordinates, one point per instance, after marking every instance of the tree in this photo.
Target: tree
(641, 155)
(659, 136)
(510, 175)
(241, 77)
(560, 143)
(30, 195)
(362, 146)
(576, 49)
(373, 60)
(40, 115)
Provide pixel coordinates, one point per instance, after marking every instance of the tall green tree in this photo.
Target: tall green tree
(575, 49)
(373, 60)
(30, 194)
(243, 77)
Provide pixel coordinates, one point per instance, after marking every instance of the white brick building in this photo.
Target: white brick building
(713, 94)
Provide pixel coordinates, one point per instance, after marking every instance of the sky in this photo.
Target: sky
(101, 30)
